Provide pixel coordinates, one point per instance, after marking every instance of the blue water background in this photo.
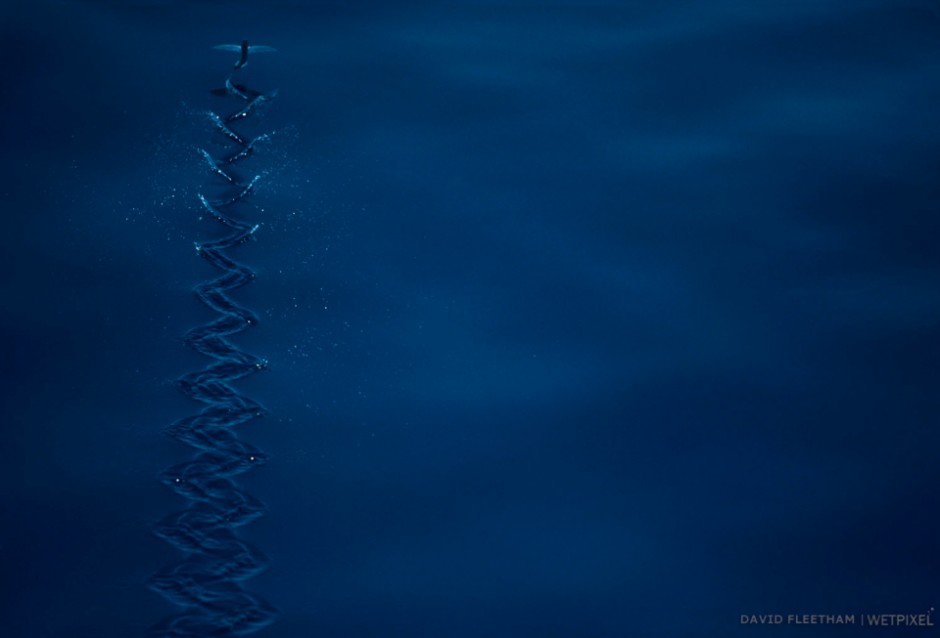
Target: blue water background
(584, 318)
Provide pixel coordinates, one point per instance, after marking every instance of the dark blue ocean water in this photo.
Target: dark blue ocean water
(584, 319)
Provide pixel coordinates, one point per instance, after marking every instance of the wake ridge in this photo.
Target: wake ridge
(206, 583)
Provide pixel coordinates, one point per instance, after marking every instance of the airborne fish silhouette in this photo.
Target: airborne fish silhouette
(244, 49)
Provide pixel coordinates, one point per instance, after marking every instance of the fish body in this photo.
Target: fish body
(243, 50)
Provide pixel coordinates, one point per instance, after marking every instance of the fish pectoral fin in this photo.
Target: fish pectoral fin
(260, 48)
(228, 47)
